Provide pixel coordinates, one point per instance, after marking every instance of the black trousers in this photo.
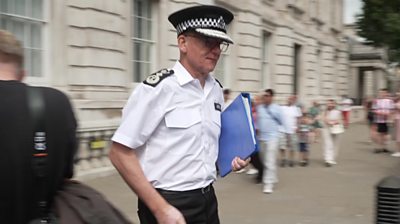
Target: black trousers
(198, 206)
(256, 162)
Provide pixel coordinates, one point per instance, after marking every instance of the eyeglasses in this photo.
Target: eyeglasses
(211, 43)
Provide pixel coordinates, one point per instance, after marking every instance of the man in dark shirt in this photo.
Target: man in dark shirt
(19, 187)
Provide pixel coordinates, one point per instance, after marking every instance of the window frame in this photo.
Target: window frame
(137, 78)
(266, 64)
(43, 79)
(319, 70)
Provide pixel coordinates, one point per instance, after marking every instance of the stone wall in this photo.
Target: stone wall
(97, 45)
(91, 51)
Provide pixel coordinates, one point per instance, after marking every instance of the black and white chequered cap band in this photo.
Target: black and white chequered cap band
(207, 23)
(208, 20)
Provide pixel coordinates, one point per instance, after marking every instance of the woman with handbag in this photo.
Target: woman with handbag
(333, 127)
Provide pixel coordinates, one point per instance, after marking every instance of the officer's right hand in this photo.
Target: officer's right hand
(170, 215)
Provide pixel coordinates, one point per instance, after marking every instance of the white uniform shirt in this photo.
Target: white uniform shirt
(174, 128)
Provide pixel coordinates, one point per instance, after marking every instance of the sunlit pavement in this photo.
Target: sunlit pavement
(342, 194)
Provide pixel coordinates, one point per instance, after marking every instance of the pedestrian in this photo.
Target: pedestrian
(383, 108)
(304, 133)
(23, 197)
(315, 115)
(167, 144)
(333, 127)
(370, 119)
(268, 121)
(288, 142)
(345, 106)
(227, 96)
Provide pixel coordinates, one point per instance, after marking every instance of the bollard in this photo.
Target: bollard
(388, 201)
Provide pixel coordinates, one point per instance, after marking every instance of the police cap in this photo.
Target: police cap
(207, 20)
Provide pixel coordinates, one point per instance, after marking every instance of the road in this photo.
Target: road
(343, 194)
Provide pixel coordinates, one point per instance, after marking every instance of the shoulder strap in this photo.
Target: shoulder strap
(36, 108)
(155, 78)
(39, 160)
(273, 117)
(219, 83)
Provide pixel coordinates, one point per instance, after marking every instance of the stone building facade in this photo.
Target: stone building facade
(97, 51)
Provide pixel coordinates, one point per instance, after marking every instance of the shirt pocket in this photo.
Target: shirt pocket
(182, 118)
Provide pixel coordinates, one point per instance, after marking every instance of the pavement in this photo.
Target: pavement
(342, 194)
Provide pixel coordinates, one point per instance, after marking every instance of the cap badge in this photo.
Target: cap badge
(221, 23)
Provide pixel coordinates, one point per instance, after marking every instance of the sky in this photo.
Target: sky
(351, 8)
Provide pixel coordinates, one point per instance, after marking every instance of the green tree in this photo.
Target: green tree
(379, 23)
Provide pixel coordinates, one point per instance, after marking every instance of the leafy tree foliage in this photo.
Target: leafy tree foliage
(379, 23)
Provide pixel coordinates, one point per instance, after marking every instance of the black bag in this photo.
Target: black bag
(79, 203)
(75, 203)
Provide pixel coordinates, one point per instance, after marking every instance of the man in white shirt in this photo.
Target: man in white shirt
(269, 118)
(167, 144)
(288, 142)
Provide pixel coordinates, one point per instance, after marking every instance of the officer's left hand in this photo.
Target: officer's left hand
(238, 163)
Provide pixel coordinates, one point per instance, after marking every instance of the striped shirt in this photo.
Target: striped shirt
(382, 109)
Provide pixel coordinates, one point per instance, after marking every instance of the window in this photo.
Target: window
(266, 79)
(142, 39)
(24, 18)
(319, 71)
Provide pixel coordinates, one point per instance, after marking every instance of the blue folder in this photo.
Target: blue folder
(237, 133)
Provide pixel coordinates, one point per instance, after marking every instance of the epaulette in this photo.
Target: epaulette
(155, 78)
(219, 83)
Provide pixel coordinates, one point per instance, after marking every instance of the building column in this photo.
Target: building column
(369, 84)
(353, 82)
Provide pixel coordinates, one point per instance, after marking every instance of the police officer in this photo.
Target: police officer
(167, 144)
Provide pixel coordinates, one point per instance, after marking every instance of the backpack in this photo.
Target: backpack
(75, 203)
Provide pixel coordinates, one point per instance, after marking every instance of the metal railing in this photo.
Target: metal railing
(92, 155)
